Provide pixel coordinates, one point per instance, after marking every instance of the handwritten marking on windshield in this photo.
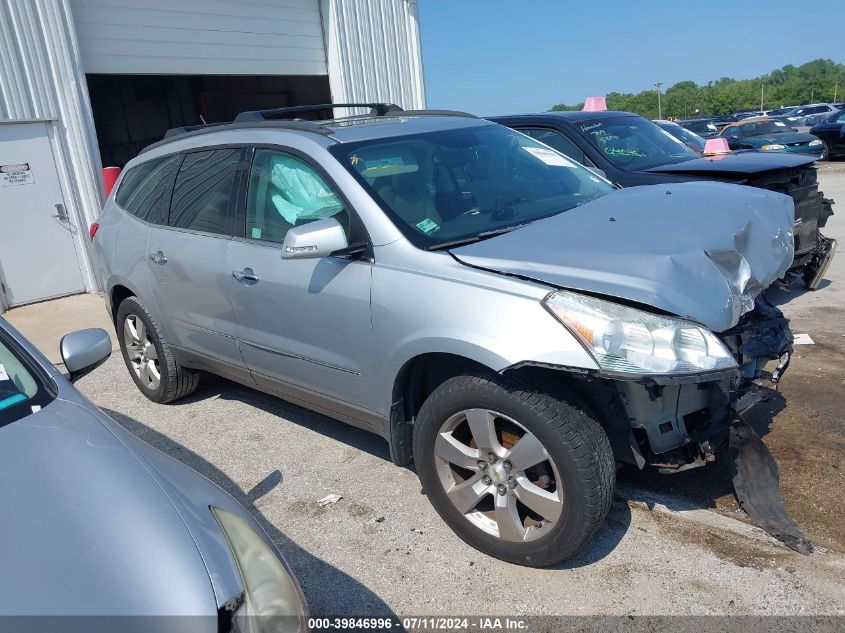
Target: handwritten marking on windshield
(619, 151)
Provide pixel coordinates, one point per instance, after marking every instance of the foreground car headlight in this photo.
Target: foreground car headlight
(630, 341)
(773, 146)
(817, 142)
(272, 598)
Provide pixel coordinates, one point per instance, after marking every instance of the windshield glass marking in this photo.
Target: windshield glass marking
(634, 143)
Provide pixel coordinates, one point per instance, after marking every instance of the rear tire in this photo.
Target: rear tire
(533, 515)
(147, 356)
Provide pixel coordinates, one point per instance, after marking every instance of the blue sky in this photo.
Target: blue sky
(501, 57)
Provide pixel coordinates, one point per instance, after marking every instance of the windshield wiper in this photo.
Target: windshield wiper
(478, 237)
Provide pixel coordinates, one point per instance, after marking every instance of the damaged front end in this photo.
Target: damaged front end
(676, 423)
(669, 306)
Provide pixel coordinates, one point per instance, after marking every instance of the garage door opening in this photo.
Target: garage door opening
(132, 111)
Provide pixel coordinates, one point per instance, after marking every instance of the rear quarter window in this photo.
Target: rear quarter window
(143, 188)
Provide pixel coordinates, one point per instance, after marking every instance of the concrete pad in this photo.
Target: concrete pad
(46, 322)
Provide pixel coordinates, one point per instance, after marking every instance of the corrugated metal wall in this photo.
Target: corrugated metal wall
(41, 78)
(373, 51)
(198, 37)
(370, 49)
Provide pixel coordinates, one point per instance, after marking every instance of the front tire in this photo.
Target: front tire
(147, 356)
(517, 474)
(825, 151)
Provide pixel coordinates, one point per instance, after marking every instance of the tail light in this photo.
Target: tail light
(95, 226)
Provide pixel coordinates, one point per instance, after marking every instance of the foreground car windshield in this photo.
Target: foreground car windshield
(635, 143)
(448, 186)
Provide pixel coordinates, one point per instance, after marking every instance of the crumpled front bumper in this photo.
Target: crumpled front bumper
(678, 423)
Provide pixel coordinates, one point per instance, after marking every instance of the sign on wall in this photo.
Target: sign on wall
(16, 174)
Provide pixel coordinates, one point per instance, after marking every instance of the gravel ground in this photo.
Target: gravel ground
(383, 550)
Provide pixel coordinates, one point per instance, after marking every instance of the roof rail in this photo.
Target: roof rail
(376, 109)
(177, 131)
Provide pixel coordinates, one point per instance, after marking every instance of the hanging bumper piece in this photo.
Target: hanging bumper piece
(757, 485)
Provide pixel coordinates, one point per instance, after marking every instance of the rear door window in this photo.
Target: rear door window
(143, 189)
(204, 192)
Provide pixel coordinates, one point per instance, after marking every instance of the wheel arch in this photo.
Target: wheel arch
(116, 294)
(415, 380)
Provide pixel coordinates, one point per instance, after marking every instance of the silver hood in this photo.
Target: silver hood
(699, 250)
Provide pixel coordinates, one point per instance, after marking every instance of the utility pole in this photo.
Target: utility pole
(762, 89)
(835, 88)
(659, 109)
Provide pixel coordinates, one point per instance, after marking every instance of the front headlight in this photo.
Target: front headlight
(629, 341)
(817, 142)
(773, 146)
(272, 598)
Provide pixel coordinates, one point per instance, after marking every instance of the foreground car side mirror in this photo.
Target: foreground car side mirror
(314, 240)
(84, 350)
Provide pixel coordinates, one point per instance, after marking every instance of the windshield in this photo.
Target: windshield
(465, 184)
(761, 128)
(634, 143)
(690, 139)
(21, 389)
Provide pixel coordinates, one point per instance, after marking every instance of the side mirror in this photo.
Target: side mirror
(600, 172)
(84, 350)
(314, 240)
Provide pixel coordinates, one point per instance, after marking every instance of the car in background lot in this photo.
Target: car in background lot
(689, 138)
(766, 134)
(780, 111)
(98, 523)
(812, 113)
(706, 128)
(831, 131)
(504, 317)
(739, 115)
(631, 150)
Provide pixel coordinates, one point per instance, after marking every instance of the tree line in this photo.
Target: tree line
(813, 82)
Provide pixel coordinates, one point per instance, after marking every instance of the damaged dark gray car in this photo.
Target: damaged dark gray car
(504, 317)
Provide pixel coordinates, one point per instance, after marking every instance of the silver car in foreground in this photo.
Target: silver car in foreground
(503, 316)
(100, 531)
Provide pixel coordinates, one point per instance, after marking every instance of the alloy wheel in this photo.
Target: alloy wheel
(141, 352)
(498, 475)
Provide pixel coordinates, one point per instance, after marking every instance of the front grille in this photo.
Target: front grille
(804, 232)
(808, 205)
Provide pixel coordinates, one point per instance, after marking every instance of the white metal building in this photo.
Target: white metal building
(88, 83)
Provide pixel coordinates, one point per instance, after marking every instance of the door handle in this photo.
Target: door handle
(246, 276)
(61, 213)
(158, 258)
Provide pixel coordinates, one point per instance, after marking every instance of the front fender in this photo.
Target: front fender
(498, 324)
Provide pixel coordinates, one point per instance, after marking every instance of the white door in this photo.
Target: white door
(37, 255)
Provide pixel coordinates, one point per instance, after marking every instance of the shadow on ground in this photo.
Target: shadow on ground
(603, 543)
(329, 591)
(216, 386)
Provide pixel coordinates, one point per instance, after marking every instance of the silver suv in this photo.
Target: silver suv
(502, 315)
